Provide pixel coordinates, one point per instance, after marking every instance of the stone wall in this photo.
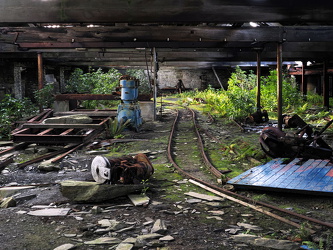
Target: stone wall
(192, 78)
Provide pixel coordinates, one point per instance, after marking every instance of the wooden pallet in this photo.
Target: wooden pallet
(298, 175)
(37, 132)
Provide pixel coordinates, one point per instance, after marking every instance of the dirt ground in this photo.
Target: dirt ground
(192, 224)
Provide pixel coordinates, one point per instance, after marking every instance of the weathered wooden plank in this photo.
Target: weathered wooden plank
(253, 172)
(102, 11)
(60, 125)
(310, 176)
(279, 173)
(293, 176)
(315, 176)
(308, 172)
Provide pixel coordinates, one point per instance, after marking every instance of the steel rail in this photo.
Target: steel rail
(207, 162)
(222, 190)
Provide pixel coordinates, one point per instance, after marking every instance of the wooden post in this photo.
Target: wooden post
(279, 84)
(258, 80)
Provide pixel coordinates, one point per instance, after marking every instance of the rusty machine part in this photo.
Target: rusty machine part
(258, 117)
(304, 143)
(123, 170)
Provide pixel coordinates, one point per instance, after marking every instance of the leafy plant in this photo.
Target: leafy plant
(291, 96)
(145, 87)
(114, 128)
(145, 187)
(44, 97)
(94, 82)
(321, 245)
(11, 110)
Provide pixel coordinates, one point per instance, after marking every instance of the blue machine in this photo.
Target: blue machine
(129, 108)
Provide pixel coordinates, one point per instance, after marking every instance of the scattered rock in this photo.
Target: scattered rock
(167, 238)
(267, 243)
(8, 191)
(193, 201)
(50, 212)
(124, 246)
(48, 166)
(8, 202)
(139, 200)
(146, 237)
(84, 191)
(249, 226)
(65, 247)
(96, 210)
(112, 225)
(103, 241)
(159, 227)
(214, 217)
(69, 119)
(204, 196)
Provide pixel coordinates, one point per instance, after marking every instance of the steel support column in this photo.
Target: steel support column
(40, 70)
(325, 86)
(279, 84)
(258, 80)
(155, 79)
(304, 87)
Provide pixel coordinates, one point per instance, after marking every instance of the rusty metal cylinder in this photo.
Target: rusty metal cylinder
(122, 170)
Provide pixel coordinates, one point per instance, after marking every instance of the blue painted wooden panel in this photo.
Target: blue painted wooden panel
(297, 175)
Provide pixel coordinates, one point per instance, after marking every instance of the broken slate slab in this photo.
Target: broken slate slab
(268, 243)
(8, 202)
(103, 241)
(249, 226)
(147, 237)
(50, 212)
(159, 227)
(167, 238)
(69, 119)
(84, 191)
(204, 196)
(112, 225)
(124, 246)
(8, 191)
(139, 199)
(67, 246)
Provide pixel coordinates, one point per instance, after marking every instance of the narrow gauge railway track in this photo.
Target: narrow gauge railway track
(186, 138)
(181, 134)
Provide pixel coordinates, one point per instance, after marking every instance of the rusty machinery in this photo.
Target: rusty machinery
(122, 170)
(304, 143)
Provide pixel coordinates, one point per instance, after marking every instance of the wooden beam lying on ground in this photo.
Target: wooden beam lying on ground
(254, 207)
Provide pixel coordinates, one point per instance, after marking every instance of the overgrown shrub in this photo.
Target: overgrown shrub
(11, 110)
(145, 87)
(95, 82)
(239, 100)
(45, 97)
(291, 96)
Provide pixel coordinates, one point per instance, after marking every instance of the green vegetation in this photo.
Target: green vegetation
(11, 110)
(114, 128)
(94, 82)
(239, 100)
(44, 97)
(99, 82)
